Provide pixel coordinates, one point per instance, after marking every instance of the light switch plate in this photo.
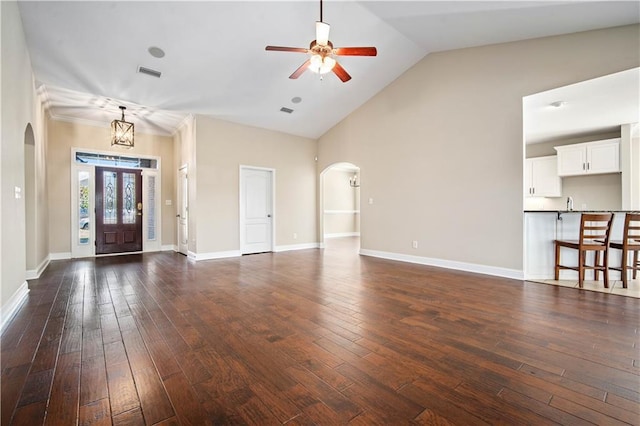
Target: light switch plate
(168, 202)
(18, 192)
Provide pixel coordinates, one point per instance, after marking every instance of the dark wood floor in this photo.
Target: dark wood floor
(313, 337)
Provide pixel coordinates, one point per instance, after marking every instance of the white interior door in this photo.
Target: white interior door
(256, 210)
(183, 211)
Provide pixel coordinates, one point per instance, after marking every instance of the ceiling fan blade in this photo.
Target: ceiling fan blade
(287, 49)
(322, 33)
(355, 51)
(297, 73)
(341, 73)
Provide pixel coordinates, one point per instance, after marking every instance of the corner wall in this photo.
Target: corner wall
(19, 108)
(440, 149)
(221, 148)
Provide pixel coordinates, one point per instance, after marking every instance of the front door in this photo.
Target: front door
(118, 210)
(256, 199)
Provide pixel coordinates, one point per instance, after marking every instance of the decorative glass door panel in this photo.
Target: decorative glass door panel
(118, 210)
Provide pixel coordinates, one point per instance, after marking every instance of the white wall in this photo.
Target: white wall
(440, 149)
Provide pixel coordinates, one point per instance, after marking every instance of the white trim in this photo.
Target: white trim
(34, 274)
(291, 247)
(11, 308)
(60, 256)
(169, 247)
(342, 234)
(214, 255)
(191, 255)
(449, 264)
(342, 212)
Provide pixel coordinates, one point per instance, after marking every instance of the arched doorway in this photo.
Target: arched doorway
(340, 205)
(30, 198)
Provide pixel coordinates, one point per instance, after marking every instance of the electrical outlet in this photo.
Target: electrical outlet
(295, 236)
(584, 206)
(370, 200)
(415, 244)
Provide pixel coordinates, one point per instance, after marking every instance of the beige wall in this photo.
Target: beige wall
(440, 149)
(63, 136)
(340, 203)
(221, 148)
(19, 108)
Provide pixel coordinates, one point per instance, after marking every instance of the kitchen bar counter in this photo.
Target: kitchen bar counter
(542, 227)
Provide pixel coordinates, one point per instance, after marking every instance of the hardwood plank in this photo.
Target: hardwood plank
(12, 382)
(65, 391)
(36, 387)
(32, 414)
(96, 413)
(132, 417)
(93, 380)
(153, 397)
(185, 401)
(122, 391)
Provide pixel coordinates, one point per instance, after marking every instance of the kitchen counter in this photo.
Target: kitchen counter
(540, 230)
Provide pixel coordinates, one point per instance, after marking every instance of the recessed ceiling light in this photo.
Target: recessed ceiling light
(296, 100)
(156, 52)
(558, 104)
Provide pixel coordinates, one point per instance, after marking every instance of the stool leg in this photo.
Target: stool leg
(557, 268)
(623, 268)
(636, 265)
(596, 264)
(580, 267)
(605, 265)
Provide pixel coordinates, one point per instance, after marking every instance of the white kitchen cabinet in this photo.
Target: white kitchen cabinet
(541, 177)
(589, 158)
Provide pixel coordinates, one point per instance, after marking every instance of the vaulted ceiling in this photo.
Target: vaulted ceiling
(86, 54)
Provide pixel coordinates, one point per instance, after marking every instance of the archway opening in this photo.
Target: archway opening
(30, 198)
(340, 206)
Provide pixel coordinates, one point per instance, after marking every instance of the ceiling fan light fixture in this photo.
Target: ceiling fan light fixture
(322, 33)
(321, 65)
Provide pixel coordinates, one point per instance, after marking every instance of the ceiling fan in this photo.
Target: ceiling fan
(321, 53)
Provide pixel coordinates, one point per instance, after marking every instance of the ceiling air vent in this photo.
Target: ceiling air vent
(287, 110)
(149, 71)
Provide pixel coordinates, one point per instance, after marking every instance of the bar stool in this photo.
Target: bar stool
(594, 236)
(630, 244)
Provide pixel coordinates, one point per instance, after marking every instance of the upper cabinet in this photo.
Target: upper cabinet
(541, 177)
(589, 158)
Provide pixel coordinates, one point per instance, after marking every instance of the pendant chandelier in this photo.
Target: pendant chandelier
(122, 132)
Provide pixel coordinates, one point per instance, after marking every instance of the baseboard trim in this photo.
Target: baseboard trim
(291, 247)
(214, 255)
(34, 274)
(460, 266)
(60, 256)
(169, 247)
(342, 234)
(10, 309)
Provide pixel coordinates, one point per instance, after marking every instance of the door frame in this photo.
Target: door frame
(89, 250)
(182, 194)
(241, 198)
